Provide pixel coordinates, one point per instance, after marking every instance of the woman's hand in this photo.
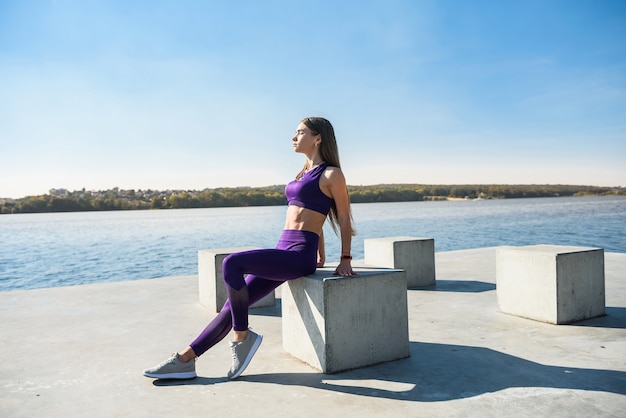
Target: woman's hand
(345, 269)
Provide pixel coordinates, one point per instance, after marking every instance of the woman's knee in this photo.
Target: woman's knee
(232, 271)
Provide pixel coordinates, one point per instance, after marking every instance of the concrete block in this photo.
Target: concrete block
(339, 323)
(211, 286)
(416, 256)
(551, 283)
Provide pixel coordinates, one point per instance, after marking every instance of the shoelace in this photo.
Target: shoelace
(233, 347)
(170, 360)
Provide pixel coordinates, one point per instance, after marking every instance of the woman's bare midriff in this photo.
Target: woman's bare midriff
(302, 219)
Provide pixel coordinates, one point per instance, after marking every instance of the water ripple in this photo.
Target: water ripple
(60, 249)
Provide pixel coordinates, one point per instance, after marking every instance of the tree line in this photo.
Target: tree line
(416, 192)
(116, 199)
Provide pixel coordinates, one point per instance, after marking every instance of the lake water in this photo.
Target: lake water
(61, 249)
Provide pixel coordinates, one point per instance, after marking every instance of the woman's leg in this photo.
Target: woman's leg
(272, 265)
(266, 270)
(294, 257)
(221, 325)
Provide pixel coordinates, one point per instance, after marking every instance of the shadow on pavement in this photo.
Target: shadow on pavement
(441, 372)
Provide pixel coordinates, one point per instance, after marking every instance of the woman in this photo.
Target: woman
(319, 191)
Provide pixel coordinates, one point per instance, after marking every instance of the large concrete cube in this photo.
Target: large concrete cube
(339, 323)
(551, 283)
(416, 256)
(211, 286)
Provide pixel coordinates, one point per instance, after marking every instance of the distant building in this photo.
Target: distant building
(59, 192)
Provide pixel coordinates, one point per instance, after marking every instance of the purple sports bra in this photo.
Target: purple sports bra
(306, 193)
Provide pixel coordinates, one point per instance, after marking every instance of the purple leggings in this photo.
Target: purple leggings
(295, 256)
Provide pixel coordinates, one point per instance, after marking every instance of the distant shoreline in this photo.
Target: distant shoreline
(62, 200)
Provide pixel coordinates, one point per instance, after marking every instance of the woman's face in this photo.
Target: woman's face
(304, 141)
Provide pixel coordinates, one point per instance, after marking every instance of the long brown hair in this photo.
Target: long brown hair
(330, 154)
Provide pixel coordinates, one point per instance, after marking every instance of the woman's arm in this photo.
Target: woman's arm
(321, 251)
(339, 192)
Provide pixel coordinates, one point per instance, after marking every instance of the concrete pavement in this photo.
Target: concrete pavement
(80, 350)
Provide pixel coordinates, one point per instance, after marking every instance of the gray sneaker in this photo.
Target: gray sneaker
(243, 353)
(173, 368)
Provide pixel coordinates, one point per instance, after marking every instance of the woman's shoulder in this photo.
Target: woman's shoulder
(332, 174)
(331, 169)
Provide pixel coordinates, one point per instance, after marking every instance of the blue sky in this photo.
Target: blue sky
(171, 94)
